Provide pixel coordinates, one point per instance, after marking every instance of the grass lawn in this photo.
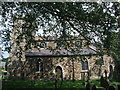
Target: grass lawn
(40, 84)
(50, 84)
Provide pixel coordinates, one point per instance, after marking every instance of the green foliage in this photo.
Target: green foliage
(96, 82)
(87, 19)
(5, 60)
(115, 45)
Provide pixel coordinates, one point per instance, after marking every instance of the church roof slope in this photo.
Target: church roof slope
(63, 52)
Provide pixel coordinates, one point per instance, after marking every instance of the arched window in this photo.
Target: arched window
(59, 74)
(83, 67)
(84, 64)
(39, 66)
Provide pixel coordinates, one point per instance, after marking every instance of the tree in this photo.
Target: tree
(115, 53)
(89, 20)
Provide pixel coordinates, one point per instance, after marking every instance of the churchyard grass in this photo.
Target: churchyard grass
(51, 84)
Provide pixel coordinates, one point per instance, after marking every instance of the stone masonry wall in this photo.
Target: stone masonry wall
(50, 64)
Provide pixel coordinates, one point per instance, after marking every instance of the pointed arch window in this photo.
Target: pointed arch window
(84, 64)
(83, 68)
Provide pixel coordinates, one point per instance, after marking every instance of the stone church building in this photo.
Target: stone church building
(50, 57)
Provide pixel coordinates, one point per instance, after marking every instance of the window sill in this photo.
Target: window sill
(38, 72)
(84, 71)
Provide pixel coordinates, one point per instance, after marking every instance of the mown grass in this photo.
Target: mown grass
(41, 84)
(51, 84)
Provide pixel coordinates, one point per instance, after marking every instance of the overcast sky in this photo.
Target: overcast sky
(4, 54)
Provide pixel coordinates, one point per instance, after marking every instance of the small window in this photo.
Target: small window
(78, 44)
(39, 65)
(42, 45)
(60, 45)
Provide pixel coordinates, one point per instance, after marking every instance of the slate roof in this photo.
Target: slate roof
(63, 52)
(52, 38)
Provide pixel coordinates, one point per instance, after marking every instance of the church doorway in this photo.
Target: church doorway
(59, 73)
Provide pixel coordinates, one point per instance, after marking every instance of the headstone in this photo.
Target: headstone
(94, 87)
(104, 83)
(118, 86)
(88, 86)
(111, 88)
(83, 83)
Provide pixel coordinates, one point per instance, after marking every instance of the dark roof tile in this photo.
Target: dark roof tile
(44, 52)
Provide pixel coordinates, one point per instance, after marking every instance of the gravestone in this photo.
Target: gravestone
(94, 87)
(88, 86)
(111, 88)
(106, 84)
(103, 82)
(118, 86)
